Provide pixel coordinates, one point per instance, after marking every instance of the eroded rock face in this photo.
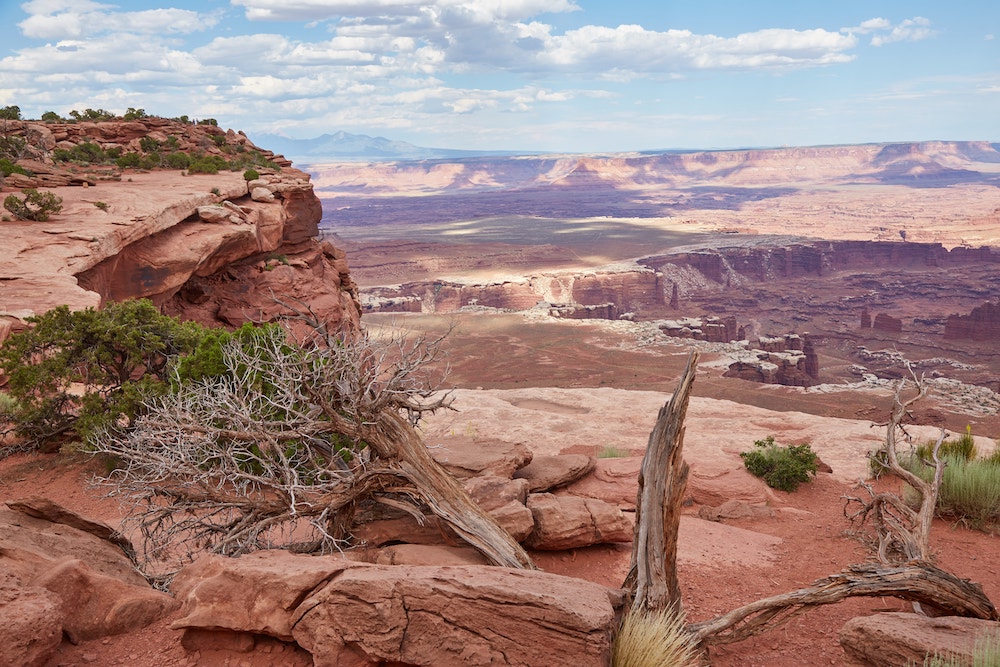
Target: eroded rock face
(982, 324)
(169, 236)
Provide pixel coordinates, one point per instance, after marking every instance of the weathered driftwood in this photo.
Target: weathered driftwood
(917, 581)
(652, 579)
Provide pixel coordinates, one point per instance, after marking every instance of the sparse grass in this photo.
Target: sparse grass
(985, 654)
(103, 205)
(964, 447)
(970, 489)
(653, 639)
(611, 452)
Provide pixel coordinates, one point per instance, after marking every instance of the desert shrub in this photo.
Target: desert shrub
(12, 146)
(149, 144)
(103, 205)
(87, 152)
(986, 653)
(134, 114)
(207, 164)
(653, 639)
(12, 112)
(91, 114)
(150, 160)
(7, 168)
(51, 117)
(35, 205)
(178, 160)
(128, 160)
(610, 452)
(120, 355)
(782, 468)
(251, 175)
(964, 447)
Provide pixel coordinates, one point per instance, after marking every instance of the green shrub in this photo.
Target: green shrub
(964, 447)
(86, 152)
(653, 639)
(35, 206)
(150, 160)
(103, 205)
(51, 117)
(128, 160)
(149, 144)
(10, 113)
(610, 452)
(783, 468)
(251, 175)
(207, 164)
(178, 160)
(121, 355)
(7, 168)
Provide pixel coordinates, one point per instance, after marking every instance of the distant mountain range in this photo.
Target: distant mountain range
(343, 146)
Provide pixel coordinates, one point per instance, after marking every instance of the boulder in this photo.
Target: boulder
(457, 616)
(503, 499)
(31, 622)
(473, 459)
(256, 593)
(95, 605)
(901, 638)
(713, 487)
(351, 614)
(613, 480)
(216, 214)
(261, 194)
(569, 522)
(545, 473)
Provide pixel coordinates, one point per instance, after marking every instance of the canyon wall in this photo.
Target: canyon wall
(211, 247)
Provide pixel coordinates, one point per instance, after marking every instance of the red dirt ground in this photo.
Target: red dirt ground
(814, 544)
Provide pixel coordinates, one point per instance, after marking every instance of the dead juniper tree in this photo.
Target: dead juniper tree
(900, 533)
(280, 450)
(652, 579)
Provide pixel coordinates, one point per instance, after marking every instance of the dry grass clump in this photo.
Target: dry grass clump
(653, 639)
(985, 654)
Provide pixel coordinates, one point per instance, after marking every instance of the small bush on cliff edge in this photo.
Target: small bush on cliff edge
(783, 468)
(34, 206)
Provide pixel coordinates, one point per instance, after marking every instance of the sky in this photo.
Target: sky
(535, 75)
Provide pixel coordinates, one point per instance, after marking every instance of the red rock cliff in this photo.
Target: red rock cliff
(214, 248)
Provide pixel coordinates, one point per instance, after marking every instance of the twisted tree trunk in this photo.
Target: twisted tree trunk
(652, 578)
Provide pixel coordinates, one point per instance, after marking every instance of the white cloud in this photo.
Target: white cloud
(909, 30)
(60, 19)
(482, 11)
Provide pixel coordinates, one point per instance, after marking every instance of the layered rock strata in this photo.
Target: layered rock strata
(211, 247)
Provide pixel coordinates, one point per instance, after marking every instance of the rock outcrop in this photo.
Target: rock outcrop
(982, 324)
(64, 574)
(899, 638)
(349, 614)
(198, 245)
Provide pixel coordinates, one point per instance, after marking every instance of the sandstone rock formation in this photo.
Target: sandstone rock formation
(898, 638)
(148, 237)
(61, 573)
(350, 614)
(982, 324)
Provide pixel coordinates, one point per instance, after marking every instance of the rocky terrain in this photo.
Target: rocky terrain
(573, 289)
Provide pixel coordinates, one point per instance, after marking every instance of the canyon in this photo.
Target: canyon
(877, 253)
(570, 290)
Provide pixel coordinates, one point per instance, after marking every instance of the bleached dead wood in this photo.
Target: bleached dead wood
(918, 582)
(652, 579)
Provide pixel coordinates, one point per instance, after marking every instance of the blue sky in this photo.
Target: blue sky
(538, 75)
